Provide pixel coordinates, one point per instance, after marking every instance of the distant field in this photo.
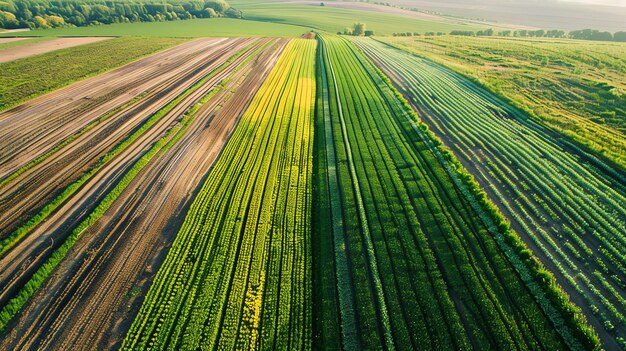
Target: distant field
(542, 14)
(576, 88)
(333, 19)
(32, 48)
(7, 43)
(33, 76)
(214, 27)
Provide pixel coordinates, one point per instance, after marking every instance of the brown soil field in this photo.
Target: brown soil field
(89, 302)
(31, 130)
(42, 47)
(91, 298)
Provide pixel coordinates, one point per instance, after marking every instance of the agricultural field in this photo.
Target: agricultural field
(135, 145)
(568, 206)
(212, 175)
(41, 47)
(33, 76)
(397, 225)
(332, 19)
(238, 273)
(575, 88)
(6, 43)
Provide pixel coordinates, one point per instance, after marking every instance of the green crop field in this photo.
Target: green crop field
(311, 175)
(32, 76)
(202, 27)
(568, 205)
(576, 88)
(392, 203)
(332, 19)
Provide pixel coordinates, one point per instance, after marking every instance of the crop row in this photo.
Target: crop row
(238, 273)
(445, 283)
(569, 208)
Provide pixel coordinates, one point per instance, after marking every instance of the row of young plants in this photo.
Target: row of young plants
(445, 281)
(238, 274)
(171, 136)
(572, 212)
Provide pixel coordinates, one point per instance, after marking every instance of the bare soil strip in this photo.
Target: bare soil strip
(88, 303)
(160, 81)
(42, 47)
(27, 256)
(10, 40)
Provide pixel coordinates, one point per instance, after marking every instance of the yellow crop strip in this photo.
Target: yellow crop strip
(238, 273)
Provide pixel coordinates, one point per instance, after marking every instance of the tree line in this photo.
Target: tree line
(48, 14)
(584, 34)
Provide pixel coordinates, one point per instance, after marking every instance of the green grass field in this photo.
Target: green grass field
(576, 88)
(331, 19)
(204, 27)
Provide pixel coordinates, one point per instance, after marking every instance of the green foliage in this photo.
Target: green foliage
(52, 14)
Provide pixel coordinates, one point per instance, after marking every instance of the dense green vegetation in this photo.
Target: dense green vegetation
(575, 88)
(32, 76)
(51, 14)
(214, 27)
(238, 273)
(420, 259)
(568, 205)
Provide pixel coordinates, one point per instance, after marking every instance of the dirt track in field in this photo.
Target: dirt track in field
(42, 47)
(89, 303)
(30, 130)
(10, 40)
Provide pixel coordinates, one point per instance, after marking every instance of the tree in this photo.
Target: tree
(209, 13)
(233, 13)
(40, 22)
(619, 36)
(359, 29)
(347, 31)
(55, 21)
(8, 20)
(218, 5)
(369, 33)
